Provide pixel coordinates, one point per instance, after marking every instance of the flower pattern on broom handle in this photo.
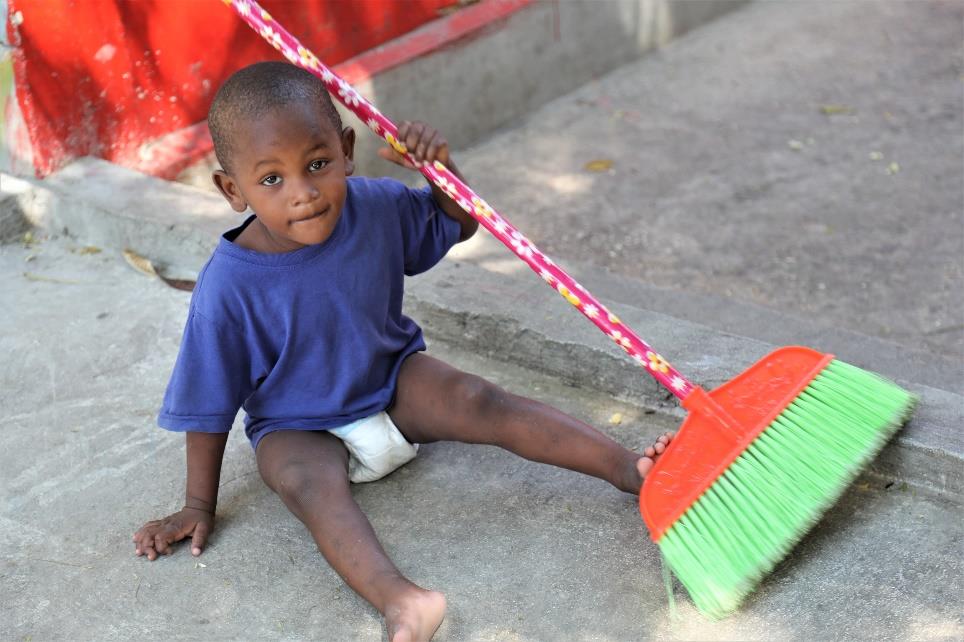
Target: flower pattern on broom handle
(262, 22)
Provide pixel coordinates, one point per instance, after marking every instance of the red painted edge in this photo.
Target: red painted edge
(427, 38)
(169, 155)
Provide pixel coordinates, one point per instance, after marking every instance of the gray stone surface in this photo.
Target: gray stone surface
(523, 551)
(729, 179)
(113, 207)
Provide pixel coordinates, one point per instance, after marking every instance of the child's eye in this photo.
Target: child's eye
(316, 165)
(270, 180)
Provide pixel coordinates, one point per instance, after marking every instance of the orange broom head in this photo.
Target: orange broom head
(719, 427)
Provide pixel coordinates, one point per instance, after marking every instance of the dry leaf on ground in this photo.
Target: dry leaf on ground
(598, 165)
(146, 267)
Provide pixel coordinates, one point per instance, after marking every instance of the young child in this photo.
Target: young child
(297, 317)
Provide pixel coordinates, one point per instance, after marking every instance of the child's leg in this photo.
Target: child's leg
(309, 471)
(436, 402)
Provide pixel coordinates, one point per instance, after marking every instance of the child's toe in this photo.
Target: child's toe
(643, 466)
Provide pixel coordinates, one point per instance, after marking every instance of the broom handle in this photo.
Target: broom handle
(262, 22)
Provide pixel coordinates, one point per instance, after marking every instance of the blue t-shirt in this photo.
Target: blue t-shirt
(310, 339)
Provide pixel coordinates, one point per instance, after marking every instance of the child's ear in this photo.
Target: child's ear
(348, 148)
(229, 189)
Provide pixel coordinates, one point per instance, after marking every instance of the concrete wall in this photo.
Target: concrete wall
(500, 73)
(10, 119)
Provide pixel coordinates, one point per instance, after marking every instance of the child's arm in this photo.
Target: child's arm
(427, 146)
(204, 454)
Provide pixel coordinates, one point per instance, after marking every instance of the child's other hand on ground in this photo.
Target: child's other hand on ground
(422, 141)
(155, 537)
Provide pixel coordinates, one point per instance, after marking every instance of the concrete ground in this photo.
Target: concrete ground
(523, 551)
(804, 157)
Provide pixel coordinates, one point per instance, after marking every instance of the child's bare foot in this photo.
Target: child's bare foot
(632, 479)
(651, 454)
(415, 615)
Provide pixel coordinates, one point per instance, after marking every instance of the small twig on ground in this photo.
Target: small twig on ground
(30, 276)
(225, 483)
(40, 559)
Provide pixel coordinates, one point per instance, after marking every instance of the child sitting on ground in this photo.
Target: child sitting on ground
(297, 317)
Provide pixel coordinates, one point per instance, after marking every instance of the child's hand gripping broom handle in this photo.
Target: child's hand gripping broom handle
(262, 22)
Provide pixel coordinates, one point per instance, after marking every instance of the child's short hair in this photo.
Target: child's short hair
(255, 89)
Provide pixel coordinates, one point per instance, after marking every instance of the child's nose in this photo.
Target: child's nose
(304, 192)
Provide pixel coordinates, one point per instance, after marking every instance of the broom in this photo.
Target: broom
(756, 461)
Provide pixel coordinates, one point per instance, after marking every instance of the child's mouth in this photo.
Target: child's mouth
(312, 217)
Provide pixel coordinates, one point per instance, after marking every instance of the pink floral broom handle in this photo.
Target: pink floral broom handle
(262, 22)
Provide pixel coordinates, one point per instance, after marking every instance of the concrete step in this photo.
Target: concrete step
(521, 320)
(512, 316)
(732, 316)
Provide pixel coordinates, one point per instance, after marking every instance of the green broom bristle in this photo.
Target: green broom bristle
(768, 498)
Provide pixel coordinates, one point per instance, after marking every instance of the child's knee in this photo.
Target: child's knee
(478, 397)
(298, 481)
